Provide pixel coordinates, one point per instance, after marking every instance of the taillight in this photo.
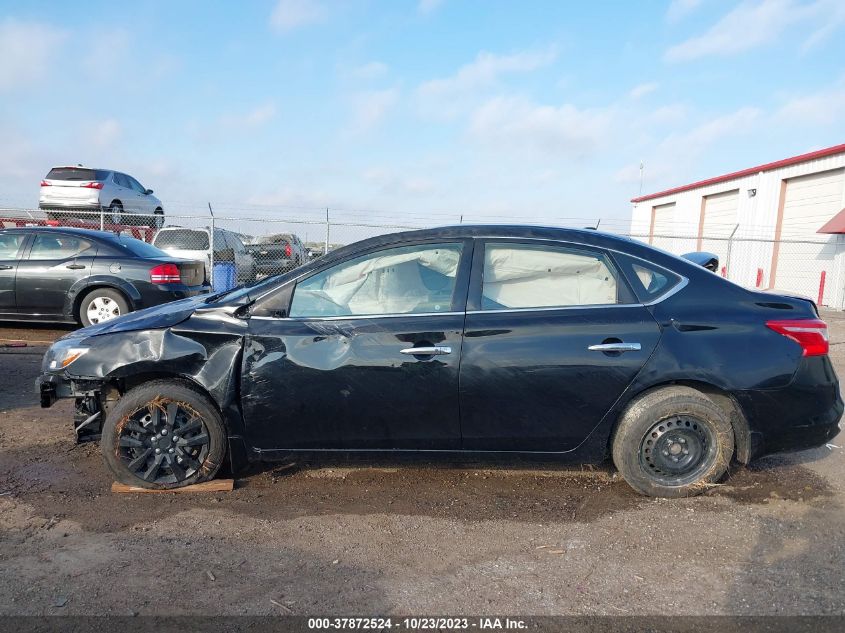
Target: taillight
(44, 183)
(91, 185)
(810, 334)
(288, 250)
(165, 274)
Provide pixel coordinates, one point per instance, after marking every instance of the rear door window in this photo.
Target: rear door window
(519, 276)
(58, 246)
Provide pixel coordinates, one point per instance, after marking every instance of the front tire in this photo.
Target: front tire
(673, 442)
(162, 435)
(101, 305)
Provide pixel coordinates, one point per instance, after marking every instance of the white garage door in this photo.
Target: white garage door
(720, 213)
(662, 224)
(809, 202)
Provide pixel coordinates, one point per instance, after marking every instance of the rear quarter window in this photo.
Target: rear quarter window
(649, 281)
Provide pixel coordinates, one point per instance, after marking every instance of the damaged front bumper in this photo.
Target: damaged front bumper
(88, 396)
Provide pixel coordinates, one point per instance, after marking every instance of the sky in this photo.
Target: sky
(415, 111)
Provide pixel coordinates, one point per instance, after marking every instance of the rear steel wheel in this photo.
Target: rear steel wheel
(673, 442)
(678, 450)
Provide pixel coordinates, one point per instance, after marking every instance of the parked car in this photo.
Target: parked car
(78, 275)
(275, 254)
(196, 244)
(565, 344)
(67, 191)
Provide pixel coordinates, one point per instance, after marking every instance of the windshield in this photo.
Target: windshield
(183, 239)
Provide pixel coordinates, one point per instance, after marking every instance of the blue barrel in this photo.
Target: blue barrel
(224, 276)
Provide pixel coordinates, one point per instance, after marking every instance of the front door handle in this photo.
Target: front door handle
(5, 267)
(434, 350)
(75, 266)
(615, 347)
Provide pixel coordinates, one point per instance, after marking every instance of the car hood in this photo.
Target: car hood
(162, 316)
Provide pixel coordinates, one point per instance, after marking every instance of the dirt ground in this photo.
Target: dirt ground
(405, 538)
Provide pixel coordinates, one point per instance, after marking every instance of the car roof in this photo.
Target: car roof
(82, 167)
(90, 233)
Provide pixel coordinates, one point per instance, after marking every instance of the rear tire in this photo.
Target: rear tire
(101, 305)
(673, 442)
(116, 212)
(163, 434)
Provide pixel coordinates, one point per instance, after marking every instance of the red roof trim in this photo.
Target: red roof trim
(830, 151)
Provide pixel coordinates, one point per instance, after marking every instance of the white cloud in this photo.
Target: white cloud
(26, 50)
(515, 122)
(393, 183)
(371, 107)
(749, 25)
(256, 117)
(679, 9)
(106, 133)
(448, 96)
(707, 133)
(427, 6)
(293, 14)
(820, 108)
(485, 70)
(834, 19)
(370, 70)
(642, 90)
(669, 160)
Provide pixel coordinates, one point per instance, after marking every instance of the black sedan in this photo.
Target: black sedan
(76, 275)
(565, 344)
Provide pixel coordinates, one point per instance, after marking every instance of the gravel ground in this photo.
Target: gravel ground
(405, 538)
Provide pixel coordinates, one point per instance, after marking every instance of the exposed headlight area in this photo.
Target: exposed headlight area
(59, 358)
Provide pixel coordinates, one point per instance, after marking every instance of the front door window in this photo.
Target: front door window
(404, 280)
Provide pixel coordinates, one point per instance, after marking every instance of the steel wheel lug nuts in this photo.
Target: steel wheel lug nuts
(170, 450)
(175, 438)
(164, 431)
(666, 453)
(158, 450)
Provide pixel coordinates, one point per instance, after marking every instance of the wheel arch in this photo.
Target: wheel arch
(237, 452)
(723, 398)
(76, 295)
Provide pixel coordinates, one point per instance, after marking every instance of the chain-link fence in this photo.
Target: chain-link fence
(808, 267)
(239, 250)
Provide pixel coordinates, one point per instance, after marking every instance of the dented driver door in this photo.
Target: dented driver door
(313, 379)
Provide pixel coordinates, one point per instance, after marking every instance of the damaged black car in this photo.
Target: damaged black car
(487, 340)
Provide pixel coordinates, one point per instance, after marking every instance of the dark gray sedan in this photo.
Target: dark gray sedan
(76, 275)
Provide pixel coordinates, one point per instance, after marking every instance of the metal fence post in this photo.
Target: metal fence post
(728, 254)
(102, 218)
(328, 228)
(211, 248)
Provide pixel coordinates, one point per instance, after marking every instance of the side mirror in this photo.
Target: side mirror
(706, 260)
(149, 192)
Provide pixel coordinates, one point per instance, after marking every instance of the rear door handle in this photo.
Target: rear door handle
(5, 267)
(435, 350)
(615, 347)
(75, 266)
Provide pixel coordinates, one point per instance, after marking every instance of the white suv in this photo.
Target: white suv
(196, 244)
(74, 189)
